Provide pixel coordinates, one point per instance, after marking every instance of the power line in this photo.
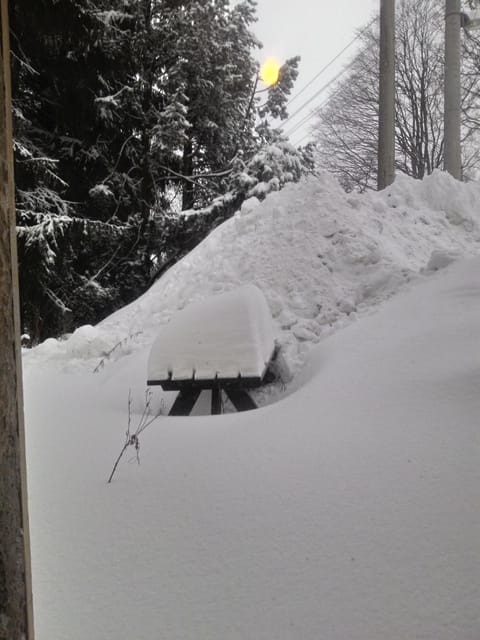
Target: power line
(316, 94)
(304, 120)
(312, 113)
(329, 64)
(301, 123)
(296, 144)
(308, 117)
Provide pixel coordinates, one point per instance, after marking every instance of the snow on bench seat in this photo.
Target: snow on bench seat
(222, 337)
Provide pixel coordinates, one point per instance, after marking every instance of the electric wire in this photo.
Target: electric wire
(305, 119)
(316, 94)
(313, 111)
(329, 64)
(296, 144)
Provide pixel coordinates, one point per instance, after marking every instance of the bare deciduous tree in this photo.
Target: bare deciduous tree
(471, 104)
(346, 128)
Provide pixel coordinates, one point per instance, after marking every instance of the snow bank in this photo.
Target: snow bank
(320, 256)
(347, 511)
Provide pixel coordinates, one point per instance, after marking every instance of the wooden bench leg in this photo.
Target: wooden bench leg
(240, 399)
(184, 402)
(216, 401)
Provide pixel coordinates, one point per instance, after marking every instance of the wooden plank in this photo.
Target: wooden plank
(184, 402)
(176, 385)
(243, 382)
(240, 399)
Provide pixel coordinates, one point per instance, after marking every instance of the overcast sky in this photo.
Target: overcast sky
(316, 30)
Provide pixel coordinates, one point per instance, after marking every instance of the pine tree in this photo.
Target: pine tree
(68, 161)
(121, 107)
(216, 49)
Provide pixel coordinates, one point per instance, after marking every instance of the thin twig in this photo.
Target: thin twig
(101, 364)
(132, 439)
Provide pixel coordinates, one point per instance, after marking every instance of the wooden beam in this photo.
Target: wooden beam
(189, 383)
(216, 401)
(16, 609)
(240, 399)
(184, 402)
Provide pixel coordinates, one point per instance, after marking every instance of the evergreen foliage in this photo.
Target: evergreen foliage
(124, 112)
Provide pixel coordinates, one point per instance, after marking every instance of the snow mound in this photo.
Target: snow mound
(249, 205)
(320, 256)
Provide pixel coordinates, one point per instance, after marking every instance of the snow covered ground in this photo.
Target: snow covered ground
(347, 508)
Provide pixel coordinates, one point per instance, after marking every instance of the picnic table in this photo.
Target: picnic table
(223, 343)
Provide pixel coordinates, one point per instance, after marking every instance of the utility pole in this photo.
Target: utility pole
(452, 88)
(16, 610)
(386, 113)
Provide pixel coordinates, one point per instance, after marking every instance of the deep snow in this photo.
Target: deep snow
(320, 257)
(347, 510)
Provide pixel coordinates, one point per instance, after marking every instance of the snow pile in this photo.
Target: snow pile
(320, 257)
(348, 510)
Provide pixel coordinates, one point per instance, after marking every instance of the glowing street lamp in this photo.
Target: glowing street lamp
(269, 71)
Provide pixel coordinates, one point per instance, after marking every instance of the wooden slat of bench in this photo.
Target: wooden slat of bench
(192, 383)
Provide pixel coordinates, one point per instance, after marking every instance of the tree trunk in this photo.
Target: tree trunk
(16, 619)
(188, 195)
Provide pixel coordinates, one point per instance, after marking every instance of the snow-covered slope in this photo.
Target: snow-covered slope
(348, 510)
(319, 255)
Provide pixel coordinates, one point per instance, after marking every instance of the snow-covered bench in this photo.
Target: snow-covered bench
(225, 342)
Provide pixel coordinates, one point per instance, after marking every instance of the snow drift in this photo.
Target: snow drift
(346, 511)
(320, 256)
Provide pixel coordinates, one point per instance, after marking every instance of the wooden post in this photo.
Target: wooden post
(184, 402)
(240, 399)
(216, 401)
(16, 610)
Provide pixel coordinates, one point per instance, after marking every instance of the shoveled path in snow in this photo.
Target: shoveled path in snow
(348, 511)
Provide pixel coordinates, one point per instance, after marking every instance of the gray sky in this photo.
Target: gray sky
(317, 31)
